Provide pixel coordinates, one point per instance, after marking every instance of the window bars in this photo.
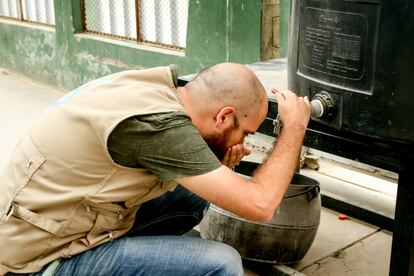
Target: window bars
(157, 22)
(33, 11)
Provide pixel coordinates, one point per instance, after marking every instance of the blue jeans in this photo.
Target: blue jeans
(154, 245)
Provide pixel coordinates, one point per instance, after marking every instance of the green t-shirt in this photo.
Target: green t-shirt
(167, 144)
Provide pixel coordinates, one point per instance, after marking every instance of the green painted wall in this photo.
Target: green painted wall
(284, 14)
(218, 30)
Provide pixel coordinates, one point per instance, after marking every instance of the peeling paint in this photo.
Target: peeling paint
(103, 60)
(62, 57)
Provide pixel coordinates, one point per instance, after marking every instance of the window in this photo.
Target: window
(34, 11)
(157, 22)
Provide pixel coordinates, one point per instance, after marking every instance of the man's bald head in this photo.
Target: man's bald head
(227, 84)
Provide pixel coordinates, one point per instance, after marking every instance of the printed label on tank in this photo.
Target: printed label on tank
(333, 42)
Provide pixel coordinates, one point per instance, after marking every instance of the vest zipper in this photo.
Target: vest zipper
(88, 209)
(120, 216)
(9, 212)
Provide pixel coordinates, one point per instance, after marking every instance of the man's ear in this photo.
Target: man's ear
(224, 117)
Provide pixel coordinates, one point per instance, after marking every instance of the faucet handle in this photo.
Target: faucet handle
(278, 124)
(323, 105)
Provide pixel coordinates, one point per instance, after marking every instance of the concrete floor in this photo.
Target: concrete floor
(341, 247)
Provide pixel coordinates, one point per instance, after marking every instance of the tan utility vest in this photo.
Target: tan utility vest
(62, 194)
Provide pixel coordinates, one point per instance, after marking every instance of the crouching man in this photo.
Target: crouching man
(112, 174)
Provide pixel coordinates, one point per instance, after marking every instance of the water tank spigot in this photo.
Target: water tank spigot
(323, 106)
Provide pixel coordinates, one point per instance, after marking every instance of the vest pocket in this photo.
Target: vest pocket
(28, 235)
(103, 229)
(95, 223)
(25, 161)
(111, 221)
(42, 222)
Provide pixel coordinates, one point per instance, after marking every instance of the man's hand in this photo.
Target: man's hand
(293, 110)
(234, 155)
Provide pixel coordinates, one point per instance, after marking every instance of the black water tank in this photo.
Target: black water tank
(357, 56)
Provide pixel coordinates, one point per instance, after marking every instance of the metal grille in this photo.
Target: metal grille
(10, 8)
(160, 22)
(34, 11)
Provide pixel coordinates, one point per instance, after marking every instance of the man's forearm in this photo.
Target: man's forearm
(275, 174)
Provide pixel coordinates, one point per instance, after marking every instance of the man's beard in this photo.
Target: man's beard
(217, 142)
